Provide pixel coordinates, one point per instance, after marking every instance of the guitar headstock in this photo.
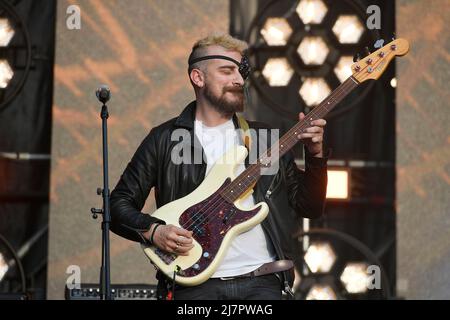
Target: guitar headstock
(373, 65)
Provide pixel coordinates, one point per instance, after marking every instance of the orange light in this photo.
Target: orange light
(338, 185)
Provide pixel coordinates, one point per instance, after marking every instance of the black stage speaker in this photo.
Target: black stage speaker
(118, 292)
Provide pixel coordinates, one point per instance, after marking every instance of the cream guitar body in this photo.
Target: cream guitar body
(215, 222)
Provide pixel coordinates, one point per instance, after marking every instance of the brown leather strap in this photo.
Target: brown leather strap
(273, 267)
(267, 268)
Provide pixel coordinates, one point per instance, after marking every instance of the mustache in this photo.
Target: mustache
(236, 89)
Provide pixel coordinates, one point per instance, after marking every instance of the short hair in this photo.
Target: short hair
(218, 39)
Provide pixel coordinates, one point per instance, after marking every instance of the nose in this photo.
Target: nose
(238, 79)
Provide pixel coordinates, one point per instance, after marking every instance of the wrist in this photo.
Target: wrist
(315, 153)
(318, 154)
(152, 232)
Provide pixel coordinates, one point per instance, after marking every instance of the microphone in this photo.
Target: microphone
(103, 93)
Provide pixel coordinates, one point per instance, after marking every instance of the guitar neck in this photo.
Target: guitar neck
(253, 172)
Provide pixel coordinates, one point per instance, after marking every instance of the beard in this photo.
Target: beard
(225, 105)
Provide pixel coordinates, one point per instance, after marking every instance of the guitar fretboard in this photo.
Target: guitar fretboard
(253, 172)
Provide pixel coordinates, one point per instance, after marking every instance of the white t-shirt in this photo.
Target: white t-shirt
(250, 249)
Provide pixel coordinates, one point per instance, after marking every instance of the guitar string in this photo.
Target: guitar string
(218, 202)
(337, 95)
(288, 136)
(304, 123)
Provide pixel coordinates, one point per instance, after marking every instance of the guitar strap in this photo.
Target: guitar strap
(246, 137)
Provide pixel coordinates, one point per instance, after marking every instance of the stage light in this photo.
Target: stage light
(343, 69)
(311, 11)
(3, 267)
(313, 50)
(321, 292)
(6, 74)
(276, 31)
(277, 72)
(348, 29)
(320, 257)
(6, 32)
(394, 82)
(355, 277)
(338, 184)
(314, 90)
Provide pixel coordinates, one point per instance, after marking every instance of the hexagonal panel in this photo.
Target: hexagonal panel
(348, 29)
(6, 73)
(277, 72)
(355, 278)
(343, 68)
(321, 292)
(320, 257)
(3, 267)
(6, 32)
(276, 31)
(313, 50)
(314, 90)
(311, 11)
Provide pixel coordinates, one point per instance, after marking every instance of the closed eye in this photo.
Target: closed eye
(227, 69)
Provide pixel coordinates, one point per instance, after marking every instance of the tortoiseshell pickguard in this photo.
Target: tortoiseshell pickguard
(213, 221)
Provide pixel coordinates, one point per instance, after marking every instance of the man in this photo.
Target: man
(254, 266)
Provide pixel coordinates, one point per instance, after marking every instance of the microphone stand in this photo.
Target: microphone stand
(105, 281)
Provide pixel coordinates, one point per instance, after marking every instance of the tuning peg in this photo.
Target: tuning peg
(378, 44)
(356, 57)
(366, 49)
(393, 36)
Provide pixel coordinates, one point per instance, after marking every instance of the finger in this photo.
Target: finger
(319, 122)
(184, 249)
(305, 135)
(179, 250)
(314, 130)
(314, 137)
(301, 115)
(183, 232)
(181, 240)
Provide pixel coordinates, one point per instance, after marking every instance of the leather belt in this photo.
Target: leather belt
(267, 268)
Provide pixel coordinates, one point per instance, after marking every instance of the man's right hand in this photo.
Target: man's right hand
(171, 239)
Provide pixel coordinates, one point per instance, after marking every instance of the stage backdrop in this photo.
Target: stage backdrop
(139, 48)
(423, 151)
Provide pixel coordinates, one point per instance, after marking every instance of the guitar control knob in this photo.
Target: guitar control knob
(206, 255)
(196, 266)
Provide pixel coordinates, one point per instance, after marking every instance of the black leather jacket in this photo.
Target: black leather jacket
(291, 194)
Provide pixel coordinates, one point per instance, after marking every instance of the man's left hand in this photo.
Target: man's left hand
(312, 137)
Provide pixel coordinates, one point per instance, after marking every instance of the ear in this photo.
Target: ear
(197, 77)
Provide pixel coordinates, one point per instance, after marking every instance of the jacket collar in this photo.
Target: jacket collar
(187, 117)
